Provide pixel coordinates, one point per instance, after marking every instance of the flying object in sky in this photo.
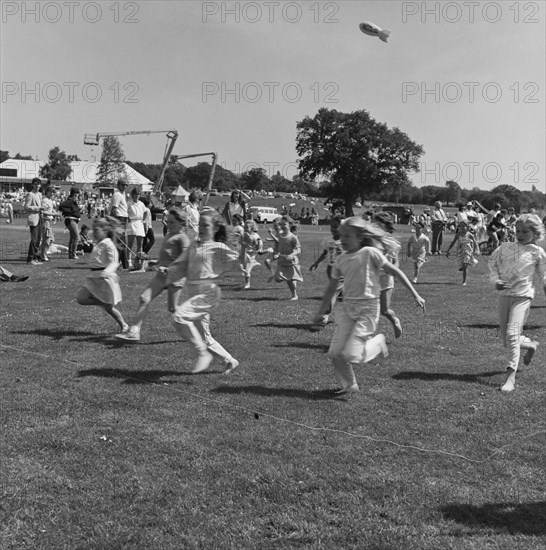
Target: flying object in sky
(371, 29)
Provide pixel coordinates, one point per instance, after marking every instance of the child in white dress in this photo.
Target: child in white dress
(467, 248)
(512, 267)
(357, 316)
(102, 285)
(288, 263)
(202, 264)
(418, 249)
(251, 246)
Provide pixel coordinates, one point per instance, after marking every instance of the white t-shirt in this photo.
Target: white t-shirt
(360, 272)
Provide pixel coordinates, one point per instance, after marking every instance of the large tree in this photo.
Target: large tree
(356, 153)
(112, 161)
(453, 193)
(57, 166)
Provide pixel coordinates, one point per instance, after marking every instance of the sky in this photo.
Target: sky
(463, 79)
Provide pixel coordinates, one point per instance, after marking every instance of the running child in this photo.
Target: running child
(391, 250)
(174, 244)
(273, 237)
(467, 248)
(102, 285)
(251, 246)
(202, 264)
(357, 316)
(512, 267)
(418, 249)
(331, 249)
(288, 264)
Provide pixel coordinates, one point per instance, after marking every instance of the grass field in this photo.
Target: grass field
(112, 446)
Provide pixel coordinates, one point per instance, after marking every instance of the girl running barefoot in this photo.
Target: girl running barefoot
(202, 264)
(418, 249)
(251, 246)
(288, 264)
(512, 266)
(102, 285)
(331, 249)
(356, 317)
(467, 248)
(274, 238)
(391, 250)
(176, 241)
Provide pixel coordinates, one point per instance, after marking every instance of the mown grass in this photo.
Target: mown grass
(107, 445)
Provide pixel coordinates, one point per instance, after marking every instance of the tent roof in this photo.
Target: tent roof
(180, 192)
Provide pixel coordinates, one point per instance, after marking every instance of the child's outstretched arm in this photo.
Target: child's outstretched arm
(396, 272)
(326, 300)
(318, 260)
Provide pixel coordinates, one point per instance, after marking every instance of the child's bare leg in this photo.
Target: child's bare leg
(386, 311)
(292, 285)
(116, 314)
(85, 298)
(465, 271)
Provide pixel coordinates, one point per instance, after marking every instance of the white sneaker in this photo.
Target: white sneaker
(247, 286)
(325, 319)
(203, 362)
(231, 366)
(132, 334)
(414, 280)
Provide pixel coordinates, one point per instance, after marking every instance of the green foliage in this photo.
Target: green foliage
(112, 161)
(57, 167)
(358, 154)
(453, 193)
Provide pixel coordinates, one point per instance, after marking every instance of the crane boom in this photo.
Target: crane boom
(172, 135)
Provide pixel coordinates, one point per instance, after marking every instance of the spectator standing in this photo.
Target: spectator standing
(438, 223)
(72, 215)
(33, 205)
(118, 209)
(235, 205)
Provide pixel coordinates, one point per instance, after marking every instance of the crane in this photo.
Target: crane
(175, 158)
(172, 136)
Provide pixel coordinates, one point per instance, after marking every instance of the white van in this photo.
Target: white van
(264, 214)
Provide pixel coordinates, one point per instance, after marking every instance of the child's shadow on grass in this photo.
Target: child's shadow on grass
(495, 326)
(434, 376)
(282, 392)
(60, 334)
(516, 517)
(298, 326)
(133, 376)
(303, 345)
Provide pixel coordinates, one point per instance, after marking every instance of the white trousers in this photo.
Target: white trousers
(192, 319)
(513, 312)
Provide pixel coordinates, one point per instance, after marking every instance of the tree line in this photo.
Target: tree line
(344, 157)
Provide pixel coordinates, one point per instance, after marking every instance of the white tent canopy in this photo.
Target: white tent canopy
(180, 193)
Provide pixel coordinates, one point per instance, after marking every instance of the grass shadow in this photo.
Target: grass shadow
(262, 299)
(496, 326)
(277, 392)
(60, 334)
(134, 376)
(298, 326)
(303, 345)
(436, 376)
(517, 518)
